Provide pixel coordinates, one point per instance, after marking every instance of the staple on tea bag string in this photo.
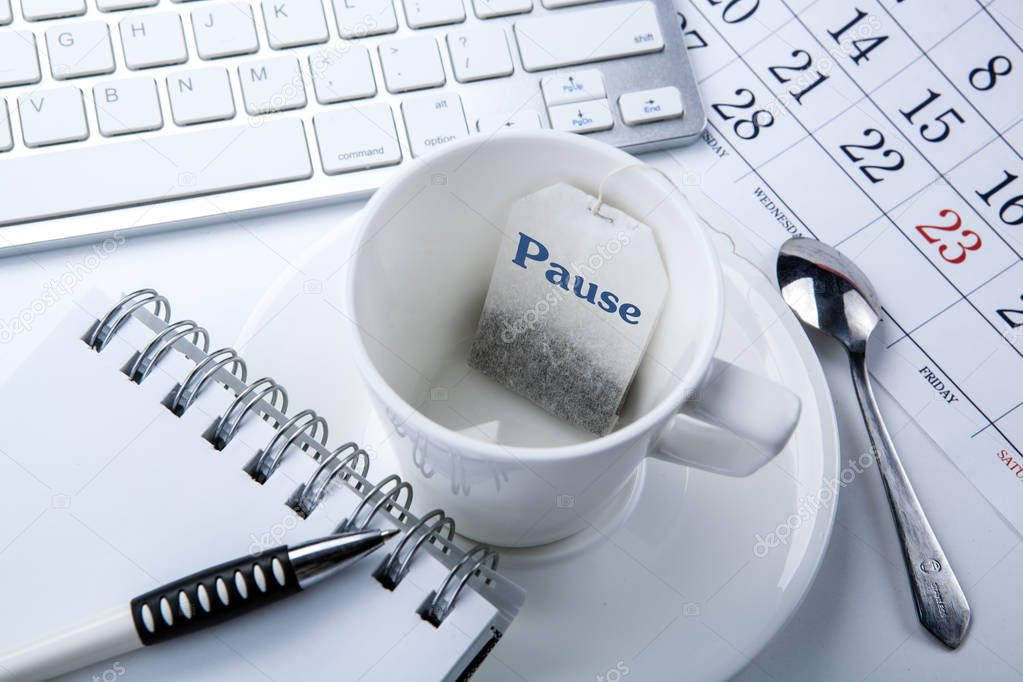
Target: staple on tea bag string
(594, 210)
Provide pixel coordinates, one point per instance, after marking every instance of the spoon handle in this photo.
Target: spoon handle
(940, 602)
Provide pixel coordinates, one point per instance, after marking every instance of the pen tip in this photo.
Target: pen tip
(388, 533)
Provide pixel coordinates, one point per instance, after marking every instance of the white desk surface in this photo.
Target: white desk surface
(858, 621)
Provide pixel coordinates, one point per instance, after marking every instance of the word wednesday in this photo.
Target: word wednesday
(557, 274)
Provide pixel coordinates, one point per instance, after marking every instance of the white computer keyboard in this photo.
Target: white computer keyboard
(121, 115)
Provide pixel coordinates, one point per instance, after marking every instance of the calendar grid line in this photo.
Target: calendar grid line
(902, 330)
(846, 172)
(810, 82)
(853, 103)
(997, 23)
(964, 394)
(929, 163)
(982, 147)
(944, 75)
(918, 192)
(909, 141)
(768, 34)
(887, 313)
(964, 296)
(766, 183)
(999, 417)
(958, 300)
(915, 195)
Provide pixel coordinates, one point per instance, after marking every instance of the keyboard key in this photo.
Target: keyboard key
(574, 86)
(423, 13)
(80, 50)
(486, 9)
(37, 10)
(590, 35)
(342, 75)
(197, 162)
(433, 121)
(554, 4)
(411, 64)
(19, 58)
(272, 85)
(115, 5)
(290, 23)
(480, 53)
(200, 96)
(224, 29)
(645, 106)
(52, 117)
(357, 138)
(360, 18)
(126, 106)
(581, 117)
(155, 39)
(527, 119)
(6, 139)
(6, 15)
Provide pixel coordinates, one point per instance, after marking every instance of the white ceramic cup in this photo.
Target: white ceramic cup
(509, 472)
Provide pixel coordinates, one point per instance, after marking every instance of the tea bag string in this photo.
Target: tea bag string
(731, 242)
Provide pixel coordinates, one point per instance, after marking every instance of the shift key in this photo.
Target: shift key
(565, 38)
(357, 138)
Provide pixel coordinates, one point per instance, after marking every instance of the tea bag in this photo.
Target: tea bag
(573, 299)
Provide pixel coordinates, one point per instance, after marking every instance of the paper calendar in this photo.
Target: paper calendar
(891, 129)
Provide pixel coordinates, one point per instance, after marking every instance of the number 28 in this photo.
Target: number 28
(970, 240)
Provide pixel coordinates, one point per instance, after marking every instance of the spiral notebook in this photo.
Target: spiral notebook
(132, 454)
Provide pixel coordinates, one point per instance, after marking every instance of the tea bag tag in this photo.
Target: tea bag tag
(575, 295)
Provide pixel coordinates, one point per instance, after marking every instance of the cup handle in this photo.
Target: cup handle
(734, 424)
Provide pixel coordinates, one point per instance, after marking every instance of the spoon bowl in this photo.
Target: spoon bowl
(828, 292)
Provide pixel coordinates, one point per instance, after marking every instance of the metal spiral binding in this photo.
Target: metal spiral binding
(348, 464)
(107, 327)
(398, 562)
(438, 605)
(309, 494)
(270, 457)
(161, 344)
(257, 392)
(388, 500)
(189, 389)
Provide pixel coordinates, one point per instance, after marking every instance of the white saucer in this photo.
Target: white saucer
(675, 584)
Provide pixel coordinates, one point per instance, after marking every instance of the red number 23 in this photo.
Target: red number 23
(969, 240)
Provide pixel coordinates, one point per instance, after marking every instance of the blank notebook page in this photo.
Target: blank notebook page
(106, 494)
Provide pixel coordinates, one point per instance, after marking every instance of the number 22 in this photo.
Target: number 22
(928, 233)
(898, 161)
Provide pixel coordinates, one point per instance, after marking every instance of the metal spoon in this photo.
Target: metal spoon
(829, 293)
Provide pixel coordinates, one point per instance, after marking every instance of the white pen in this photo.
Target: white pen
(192, 603)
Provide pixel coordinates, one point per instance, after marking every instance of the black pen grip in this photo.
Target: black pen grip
(214, 595)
